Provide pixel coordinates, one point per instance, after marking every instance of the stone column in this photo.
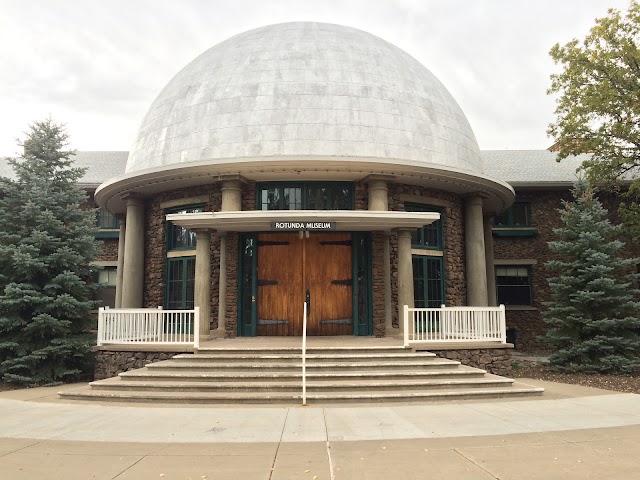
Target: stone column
(475, 252)
(133, 262)
(222, 288)
(488, 253)
(378, 195)
(379, 201)
(202, 287)
(231, 202)
(119, 272)
(405, 274)
(231, 196)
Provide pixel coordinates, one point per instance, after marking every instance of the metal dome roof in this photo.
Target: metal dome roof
(303, 91)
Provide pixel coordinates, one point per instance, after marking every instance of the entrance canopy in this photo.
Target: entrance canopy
(292, 220)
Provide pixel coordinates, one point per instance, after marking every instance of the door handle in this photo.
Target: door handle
(308, 300)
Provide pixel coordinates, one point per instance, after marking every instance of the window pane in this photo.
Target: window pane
(270, 199)
(520, 217)
(292, 198)
(434, 283)
(179, 237)
(513, 285)
(430, 236)
(107, 221)
(317, 198)
(180, 283)
(342, 198)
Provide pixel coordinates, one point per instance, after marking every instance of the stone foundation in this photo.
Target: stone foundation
(493, 360)
(110, 364)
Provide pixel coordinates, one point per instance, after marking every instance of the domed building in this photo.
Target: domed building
(304, 164)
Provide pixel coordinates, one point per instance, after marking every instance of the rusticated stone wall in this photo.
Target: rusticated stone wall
(156, 248)
(110, 364)
(493, 360)
(377, 280)
(108, 250)
(453, 228)
(361, 196)
(231, 317)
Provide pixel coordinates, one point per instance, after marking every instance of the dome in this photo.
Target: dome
(303, 91)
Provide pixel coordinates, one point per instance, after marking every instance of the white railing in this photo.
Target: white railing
(304, 356)
(145, 326)
(454, 324)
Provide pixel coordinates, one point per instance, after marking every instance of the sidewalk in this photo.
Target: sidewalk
(571, 432)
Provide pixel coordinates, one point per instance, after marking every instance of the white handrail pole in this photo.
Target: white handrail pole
(304, 356)
(503, 325)
(406, 325)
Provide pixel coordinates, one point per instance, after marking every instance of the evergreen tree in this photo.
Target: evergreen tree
(594, 319)
(46, 243)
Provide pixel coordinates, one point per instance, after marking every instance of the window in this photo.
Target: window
(514, 285)
(106, 279)
(106, 220)
(305, 196)
(180, 283)
(430, 236)
(428, 282)
(179, 238)
(518, 215)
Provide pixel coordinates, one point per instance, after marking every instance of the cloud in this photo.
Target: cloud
(98, 65)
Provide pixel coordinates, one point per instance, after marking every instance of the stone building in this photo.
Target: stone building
(314, 163)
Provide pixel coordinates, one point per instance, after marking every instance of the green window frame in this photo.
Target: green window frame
(430, 237)
(516, 216)
(180, 238)
(106, 220)
(305, 196)
(428, 281)
(180, 284)
(513, 285)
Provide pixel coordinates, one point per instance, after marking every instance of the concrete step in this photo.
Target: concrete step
(276, 365)
(310, 350)
(143, 374)
(293, 357)
(342, 386)
(87, 393)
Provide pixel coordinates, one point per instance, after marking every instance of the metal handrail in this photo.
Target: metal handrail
(304, 356)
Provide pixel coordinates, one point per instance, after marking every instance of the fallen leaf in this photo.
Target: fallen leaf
(306, 471)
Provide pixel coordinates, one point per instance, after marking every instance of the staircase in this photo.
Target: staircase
(274, 375)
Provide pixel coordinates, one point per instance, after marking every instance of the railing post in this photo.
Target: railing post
(100, 326)
(503, 324)
(406, 324)
(196, 327)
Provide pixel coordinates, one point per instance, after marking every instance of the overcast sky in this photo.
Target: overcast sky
(97, 66)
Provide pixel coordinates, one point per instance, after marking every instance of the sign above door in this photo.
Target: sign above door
(303, 226)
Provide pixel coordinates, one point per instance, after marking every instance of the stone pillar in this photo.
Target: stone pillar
(202, 287)
(231, 202)
(405, 274)
(378, 195)
(133, 262)
(488, 253)
(379, 201)
(231, 196)
(222, 288)
(120, 270)
(475, 252)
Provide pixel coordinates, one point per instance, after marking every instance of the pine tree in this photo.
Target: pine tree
(46, 244)
(594, 319)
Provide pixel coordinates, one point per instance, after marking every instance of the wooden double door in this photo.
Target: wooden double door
(292, 270)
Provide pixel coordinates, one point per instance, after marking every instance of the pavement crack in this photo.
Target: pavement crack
(326, 433)
(475, 463)
(275, 455)
(130, 466)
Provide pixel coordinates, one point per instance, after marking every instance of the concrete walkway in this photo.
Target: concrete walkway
(571, 432)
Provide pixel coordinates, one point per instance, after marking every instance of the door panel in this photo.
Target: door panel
(328, 273)
(287, 267)
(279, 284)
